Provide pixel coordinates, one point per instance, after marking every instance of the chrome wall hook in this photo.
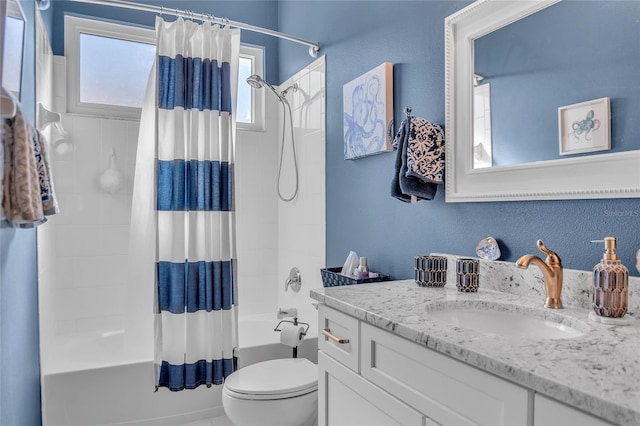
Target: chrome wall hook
(407, 111)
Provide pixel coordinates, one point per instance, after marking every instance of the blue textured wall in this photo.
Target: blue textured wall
(261, 13)
(361, 215)
(19, 355)
(532, 74)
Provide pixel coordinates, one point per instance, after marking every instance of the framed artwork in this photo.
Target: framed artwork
(585, 127)
(368, 113)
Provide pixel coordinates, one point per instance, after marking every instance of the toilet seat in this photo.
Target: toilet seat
(274, 379)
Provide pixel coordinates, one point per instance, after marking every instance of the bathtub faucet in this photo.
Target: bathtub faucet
(290, 312)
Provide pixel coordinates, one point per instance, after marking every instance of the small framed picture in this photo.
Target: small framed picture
(584, 127)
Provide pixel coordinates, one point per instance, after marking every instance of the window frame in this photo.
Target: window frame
(256, 54)
(74, 26)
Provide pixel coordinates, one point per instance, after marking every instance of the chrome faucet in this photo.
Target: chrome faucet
(552, 270)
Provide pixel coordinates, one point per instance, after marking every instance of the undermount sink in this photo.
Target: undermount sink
(509, 320)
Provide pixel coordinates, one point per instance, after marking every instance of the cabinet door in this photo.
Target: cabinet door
(344, 398)
(548, 412)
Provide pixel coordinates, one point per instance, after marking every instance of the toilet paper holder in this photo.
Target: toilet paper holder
(294, 322)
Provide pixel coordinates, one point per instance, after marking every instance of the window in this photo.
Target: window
(482, 153)
(250, 111)
(108, 67)
(106, 80)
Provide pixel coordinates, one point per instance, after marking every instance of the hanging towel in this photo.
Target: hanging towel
(47, 194)
(425, 152)
(398, 143)
(403, 186)
(28, 189)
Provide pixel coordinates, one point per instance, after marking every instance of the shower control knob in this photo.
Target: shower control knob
(294, 281)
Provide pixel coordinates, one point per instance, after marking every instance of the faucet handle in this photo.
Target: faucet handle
(552, 257)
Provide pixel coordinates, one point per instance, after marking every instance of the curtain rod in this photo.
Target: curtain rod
(314, 48)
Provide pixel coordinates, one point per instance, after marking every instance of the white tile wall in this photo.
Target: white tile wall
(85, 292)
(301, 222)
(47, 265)
(256, 216)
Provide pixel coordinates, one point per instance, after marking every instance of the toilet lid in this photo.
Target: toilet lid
(278, 377)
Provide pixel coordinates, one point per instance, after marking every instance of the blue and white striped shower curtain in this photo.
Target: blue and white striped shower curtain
(193, 123)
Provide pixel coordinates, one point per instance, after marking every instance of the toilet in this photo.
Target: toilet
(279, 392)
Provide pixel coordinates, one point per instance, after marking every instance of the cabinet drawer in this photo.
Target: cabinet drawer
(342, 327)
(446, 390)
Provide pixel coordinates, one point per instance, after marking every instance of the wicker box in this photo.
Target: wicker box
(331, 277)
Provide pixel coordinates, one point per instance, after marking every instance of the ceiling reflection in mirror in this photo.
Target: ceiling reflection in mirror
(570, 52)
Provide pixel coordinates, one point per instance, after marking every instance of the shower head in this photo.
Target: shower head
(257, 82)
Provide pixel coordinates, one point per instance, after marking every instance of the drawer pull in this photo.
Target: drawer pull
(327, 333)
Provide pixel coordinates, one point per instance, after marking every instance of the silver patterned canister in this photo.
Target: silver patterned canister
(431, 271)
(467, 272)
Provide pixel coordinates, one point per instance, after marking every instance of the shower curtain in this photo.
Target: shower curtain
(182, 229)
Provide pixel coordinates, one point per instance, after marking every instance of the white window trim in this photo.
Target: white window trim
(73, 27)
(256, 53)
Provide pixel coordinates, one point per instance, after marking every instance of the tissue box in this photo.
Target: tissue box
(331, 277)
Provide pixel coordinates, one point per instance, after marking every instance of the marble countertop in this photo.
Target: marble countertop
(598, 372)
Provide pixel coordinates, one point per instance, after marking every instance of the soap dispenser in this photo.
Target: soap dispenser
(610, 283)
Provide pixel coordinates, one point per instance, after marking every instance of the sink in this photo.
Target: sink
(508, 320)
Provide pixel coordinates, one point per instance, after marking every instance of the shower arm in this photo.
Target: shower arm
(293, 87)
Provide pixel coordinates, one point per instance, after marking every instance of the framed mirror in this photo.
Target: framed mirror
(12, 49)
(487, 45)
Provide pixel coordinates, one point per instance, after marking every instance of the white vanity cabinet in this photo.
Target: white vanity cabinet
(549, 412)
(378, 378)
(369, 376)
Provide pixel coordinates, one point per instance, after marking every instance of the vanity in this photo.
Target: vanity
(397, 353)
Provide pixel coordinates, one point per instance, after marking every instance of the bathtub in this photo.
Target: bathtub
(101, 381)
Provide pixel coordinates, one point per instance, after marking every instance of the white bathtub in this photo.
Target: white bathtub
(104, 382)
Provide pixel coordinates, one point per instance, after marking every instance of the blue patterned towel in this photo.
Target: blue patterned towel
(406, 185)
(425, 152)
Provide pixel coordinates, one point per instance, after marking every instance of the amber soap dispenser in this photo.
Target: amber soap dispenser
(610, 283)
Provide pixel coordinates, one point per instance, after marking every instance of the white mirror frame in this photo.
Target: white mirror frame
(612, 175)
